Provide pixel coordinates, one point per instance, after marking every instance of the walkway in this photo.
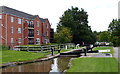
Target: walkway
(96, 55)
(117, 53)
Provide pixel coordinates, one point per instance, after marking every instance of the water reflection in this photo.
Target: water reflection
(55, 65)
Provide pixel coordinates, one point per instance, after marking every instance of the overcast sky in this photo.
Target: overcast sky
(101, 12)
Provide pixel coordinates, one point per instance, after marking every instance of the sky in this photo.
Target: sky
(100, 12)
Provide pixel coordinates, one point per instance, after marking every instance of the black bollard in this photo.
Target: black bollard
(58, 50)
(85, 50)
(52, 51)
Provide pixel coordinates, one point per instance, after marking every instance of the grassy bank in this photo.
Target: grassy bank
(104, 48)
(94, 65)
(17, 56)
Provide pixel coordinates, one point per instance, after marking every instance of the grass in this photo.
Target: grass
(94, 65)
(104, 48)
(17, 56)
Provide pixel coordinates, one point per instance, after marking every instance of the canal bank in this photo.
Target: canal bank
(58, 64)
(26, 62)
(94, 62)
(48, 57)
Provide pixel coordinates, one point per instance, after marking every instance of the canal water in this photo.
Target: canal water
(54, 65)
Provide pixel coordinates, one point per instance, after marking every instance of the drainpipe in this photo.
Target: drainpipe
(22, 32)
(6, 29)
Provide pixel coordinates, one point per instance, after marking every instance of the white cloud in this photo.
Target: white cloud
(101, 12)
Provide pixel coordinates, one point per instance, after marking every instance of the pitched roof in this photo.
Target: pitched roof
(43, 20)
(5, 9)
(8, 10)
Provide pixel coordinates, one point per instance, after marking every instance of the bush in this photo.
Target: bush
(3, 47)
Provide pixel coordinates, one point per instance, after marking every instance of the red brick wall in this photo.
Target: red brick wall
(6, 21)
(37, 28)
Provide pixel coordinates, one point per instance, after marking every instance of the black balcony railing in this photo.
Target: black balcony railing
(31, 25)
(31, 43)
(37, 42)
(31, 35)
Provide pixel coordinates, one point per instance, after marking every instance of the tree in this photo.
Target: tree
(114, 29)
(103, 36)
(63, 36)
(76, 20)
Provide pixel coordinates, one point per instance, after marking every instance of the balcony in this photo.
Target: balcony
(31, 43)
(31, 35)
(30, 26)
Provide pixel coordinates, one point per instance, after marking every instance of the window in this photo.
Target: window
(38, 24)
(0, 36)
(47, 33)
(12, 40)
(38, 33)
(19, 30)
(46, 25)
(19, 21)
(0, 16)
(26, 21)
(11, 30)
(37, 40)
(2, 25)
(31, 22)
(12, 19)
(19, 40)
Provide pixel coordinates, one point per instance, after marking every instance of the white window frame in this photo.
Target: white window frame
(38, 32)
(47, 26)
(0, 16)
(12, 19)
(47, 33)
(37, 41)
(19, 21)
(19, 30)
(26, 21)
(38, 24)
(12, 40)
(31, 22)
(19, 40)
(12, 30)
(0, 36)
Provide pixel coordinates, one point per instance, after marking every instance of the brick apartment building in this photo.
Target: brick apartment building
(20, 28)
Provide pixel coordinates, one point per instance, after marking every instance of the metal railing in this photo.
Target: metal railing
(45, 47)
(31, 35)
(31, 25)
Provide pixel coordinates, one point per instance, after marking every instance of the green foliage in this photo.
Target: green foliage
(63, 36)
(76, 20)
(103, 36)
(114, 29)
(2, 47)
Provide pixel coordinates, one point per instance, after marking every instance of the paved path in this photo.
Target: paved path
(117, 53)
(96, 55)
